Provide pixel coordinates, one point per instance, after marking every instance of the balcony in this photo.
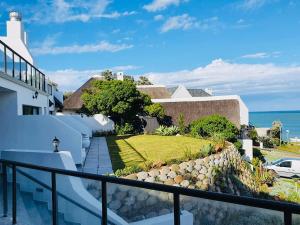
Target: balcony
(176, 205)
(15, 66)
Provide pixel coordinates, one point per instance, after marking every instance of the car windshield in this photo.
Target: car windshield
(276, 161)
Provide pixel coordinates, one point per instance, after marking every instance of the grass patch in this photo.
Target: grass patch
(140, 150)
(290, 148)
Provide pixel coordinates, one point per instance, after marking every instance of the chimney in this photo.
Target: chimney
(15, 28)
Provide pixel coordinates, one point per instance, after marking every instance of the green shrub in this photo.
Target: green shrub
(155, 110)
(239, 146)
(127, 128)
(253, 135)
(128, 170)
(267, 142)
(257, 154)
(207, 150)
(167, 131)
(275, 141)
(181, 124)
(256, 162)
(210, 125)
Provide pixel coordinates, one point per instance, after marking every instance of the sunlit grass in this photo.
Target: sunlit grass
(137, 150)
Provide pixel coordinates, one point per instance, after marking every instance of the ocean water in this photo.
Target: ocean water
(289, 119)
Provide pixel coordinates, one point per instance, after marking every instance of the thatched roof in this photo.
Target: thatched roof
(155, 91)
(74, 102)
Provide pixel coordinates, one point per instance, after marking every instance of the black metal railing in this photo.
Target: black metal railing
(14, 65)
(288, 209)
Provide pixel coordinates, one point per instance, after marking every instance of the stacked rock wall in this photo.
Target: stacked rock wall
(222, 172)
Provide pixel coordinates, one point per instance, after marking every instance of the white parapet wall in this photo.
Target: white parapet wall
(71, 187)
(37, 132)
(73, 122)
(97, 123)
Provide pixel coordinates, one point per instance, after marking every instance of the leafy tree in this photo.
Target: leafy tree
(143, 81)
(118, 99)
(155, 110)
(276, 129)
(107, 74)
(210, 125)
(67, 94)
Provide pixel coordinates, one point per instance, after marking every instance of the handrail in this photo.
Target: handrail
(241, 200)
(43, 85)
(58, 193)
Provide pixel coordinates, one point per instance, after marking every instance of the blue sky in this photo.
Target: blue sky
(245, 47)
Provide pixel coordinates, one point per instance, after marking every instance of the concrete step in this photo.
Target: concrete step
(29, 211)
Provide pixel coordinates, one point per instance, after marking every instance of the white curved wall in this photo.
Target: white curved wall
(71, 187)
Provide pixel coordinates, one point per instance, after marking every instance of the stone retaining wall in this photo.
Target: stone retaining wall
(222, 172)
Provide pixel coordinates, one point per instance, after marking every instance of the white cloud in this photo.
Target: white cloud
(158, 17)
(71, 79)
(253, 4)
(182, 22)
(48, 47)
(261, 55)
(234, 78)
(62, 11)
(185, 22)
(159, 5)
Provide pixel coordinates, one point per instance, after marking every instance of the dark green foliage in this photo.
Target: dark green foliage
(253, 135)
(210, 125)
(118, 99)
(128, 170)
(276, 129)
(143, 81)
(155, 110)
(127, 128)
(181, 124)
(267, 142)
(257, 154)
(239, 146)
(107, 74)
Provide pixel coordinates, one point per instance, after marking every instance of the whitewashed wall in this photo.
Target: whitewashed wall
(37, 132)
(24, 94)
(71, 187)
(75, 123)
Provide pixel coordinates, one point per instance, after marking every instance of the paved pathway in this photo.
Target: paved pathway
(98, 159)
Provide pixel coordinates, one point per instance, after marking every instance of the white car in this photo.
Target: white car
(285, 167)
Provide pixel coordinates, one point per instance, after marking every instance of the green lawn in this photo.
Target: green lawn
(290, 148)
(140, 149)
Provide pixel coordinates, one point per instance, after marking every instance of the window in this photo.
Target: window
(30, 110)
(49, 89)
(29, 75)
(287, 164)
